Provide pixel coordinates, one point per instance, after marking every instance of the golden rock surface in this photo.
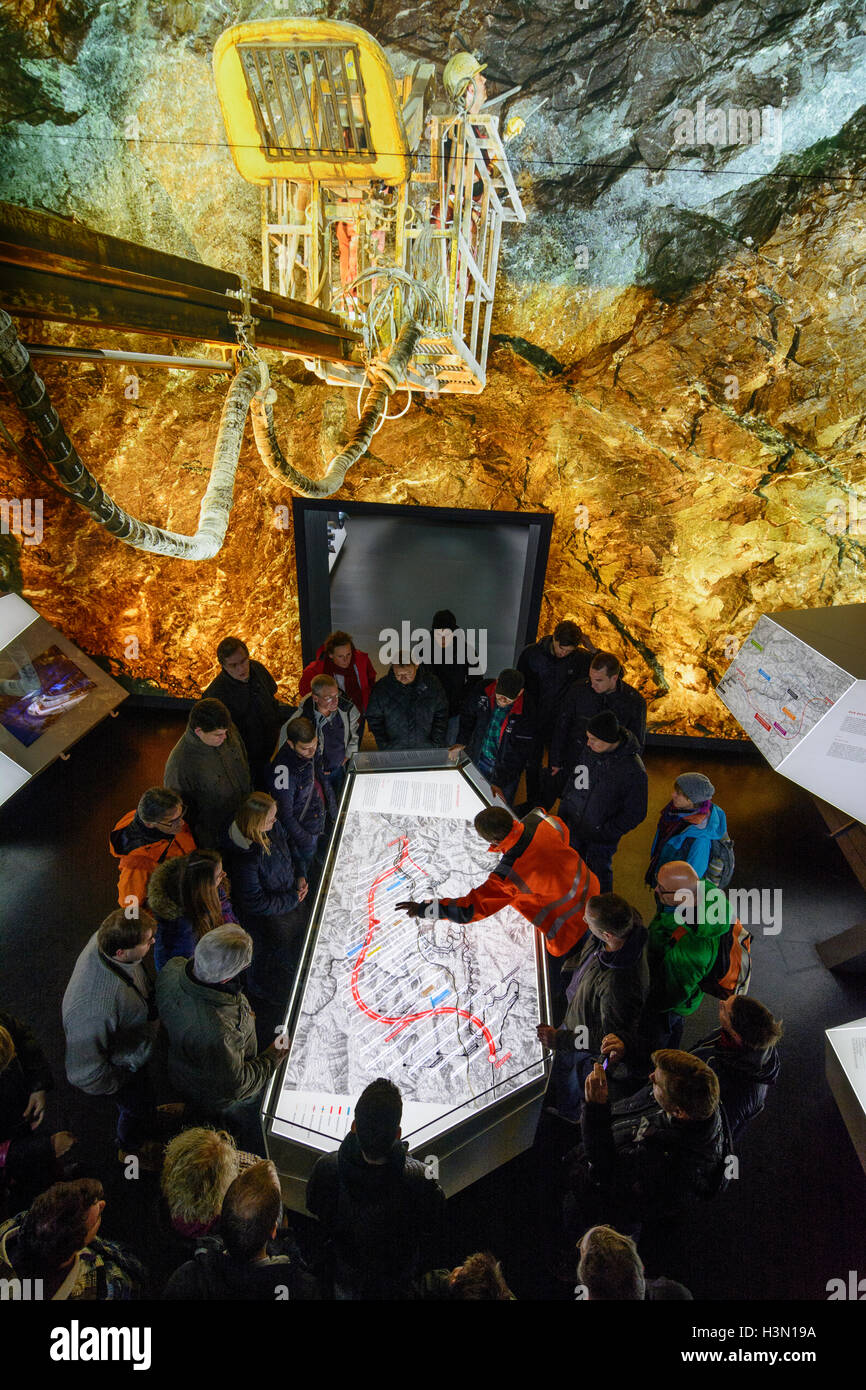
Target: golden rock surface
(691, 452)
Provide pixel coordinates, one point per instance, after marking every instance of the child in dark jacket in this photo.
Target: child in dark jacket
(269, 887)
(297, 782)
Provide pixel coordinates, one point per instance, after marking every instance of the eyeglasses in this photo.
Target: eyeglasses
(174, 820)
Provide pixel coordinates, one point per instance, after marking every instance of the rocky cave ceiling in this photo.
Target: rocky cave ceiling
(678, 362)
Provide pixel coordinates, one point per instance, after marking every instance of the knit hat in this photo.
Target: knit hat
(605, 726)
(510, 683)
(695, 786)
(443, 617)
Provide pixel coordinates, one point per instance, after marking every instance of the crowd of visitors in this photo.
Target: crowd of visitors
(217, 869)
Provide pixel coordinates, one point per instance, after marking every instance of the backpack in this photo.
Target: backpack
(720, 869)
(731, 971)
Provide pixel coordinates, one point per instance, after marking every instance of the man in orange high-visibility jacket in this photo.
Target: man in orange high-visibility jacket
(539, 874)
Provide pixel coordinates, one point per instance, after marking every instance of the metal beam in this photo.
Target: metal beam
(55, 269)
(137, 359)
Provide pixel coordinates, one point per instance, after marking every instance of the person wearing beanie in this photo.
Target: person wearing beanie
(452, 675)
(496, 733)
(687, 826)
(605, 794)
(603, 689)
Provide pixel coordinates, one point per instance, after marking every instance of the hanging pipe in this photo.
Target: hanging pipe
(30, 393)
(385, 375)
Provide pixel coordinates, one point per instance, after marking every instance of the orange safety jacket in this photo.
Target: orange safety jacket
(138, 864)
(541, 876)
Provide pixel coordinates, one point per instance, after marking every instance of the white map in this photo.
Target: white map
(778, 688)
(447, 1012)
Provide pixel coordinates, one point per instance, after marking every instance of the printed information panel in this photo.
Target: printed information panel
(778, 688)
(447, 1012)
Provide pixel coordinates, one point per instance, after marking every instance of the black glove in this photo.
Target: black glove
(413, 909)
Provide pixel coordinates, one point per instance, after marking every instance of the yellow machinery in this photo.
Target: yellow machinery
(375, 204)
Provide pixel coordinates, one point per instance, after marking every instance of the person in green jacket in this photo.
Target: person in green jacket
(683, 943)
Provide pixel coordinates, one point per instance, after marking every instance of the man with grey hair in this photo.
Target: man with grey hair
(213, 1059)
(143, 838)
(609, 984)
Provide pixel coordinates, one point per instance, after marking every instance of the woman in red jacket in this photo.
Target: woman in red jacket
(352, 670)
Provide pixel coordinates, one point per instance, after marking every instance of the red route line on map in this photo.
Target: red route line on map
(813, 699)
(403, 1020)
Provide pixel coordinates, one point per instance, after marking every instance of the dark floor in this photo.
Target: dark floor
(792, 1221)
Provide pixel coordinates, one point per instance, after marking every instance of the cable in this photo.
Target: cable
(384, 373)
(529, 164)
(29, 391)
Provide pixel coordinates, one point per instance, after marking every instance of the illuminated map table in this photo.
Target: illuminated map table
(447, 1012)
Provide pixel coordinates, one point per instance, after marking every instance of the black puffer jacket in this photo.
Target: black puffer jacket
(408, 716)
(547, 678)
(581, 704)
(650, 1166)
(263, 885)
(302, 812)
(611, 798)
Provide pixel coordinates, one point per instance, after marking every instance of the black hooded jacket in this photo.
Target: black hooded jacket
(582, 703)
(378, 1217)
(613, 800)
(547, 678)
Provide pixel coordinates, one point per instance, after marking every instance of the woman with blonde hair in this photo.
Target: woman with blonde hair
(200, 1165)
(268, 896)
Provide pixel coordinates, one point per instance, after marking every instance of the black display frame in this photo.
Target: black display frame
(309, 516)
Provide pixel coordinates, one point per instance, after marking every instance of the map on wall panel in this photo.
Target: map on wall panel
(447, 1012)
(779, 688)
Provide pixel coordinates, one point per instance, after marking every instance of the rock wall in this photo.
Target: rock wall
(677, 370)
